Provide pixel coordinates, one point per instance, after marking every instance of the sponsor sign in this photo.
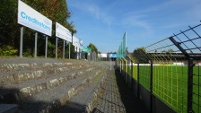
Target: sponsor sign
(81, 44)
(76, 42)
(112, 55)
(86, 50)
(32, 19)
(63, 32)
(102, 55)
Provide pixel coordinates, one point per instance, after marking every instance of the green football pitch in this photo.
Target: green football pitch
(170, 84)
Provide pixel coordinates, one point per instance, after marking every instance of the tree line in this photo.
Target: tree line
(55, 10)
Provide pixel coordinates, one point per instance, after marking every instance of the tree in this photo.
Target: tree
(170, 50)
(140, 55)
(55, 10)
(93, 48)
(72, 28)
(8, 22)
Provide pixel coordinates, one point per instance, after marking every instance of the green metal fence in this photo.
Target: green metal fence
(170, 85)
(144, 75)
(170, 70)
(197, 88)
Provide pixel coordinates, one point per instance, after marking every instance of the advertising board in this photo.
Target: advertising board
(112, 55)
(63, 32)
(81, 44)
(32, 19)
(76, 42)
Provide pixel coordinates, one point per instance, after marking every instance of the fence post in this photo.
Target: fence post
(151, 86)
(190, 75)
(190, 85)
(131, 74)
(126, 72)
(138, 80)
(120, 65)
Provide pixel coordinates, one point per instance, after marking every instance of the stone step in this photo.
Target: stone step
(53, 99)
(30, 66)
(15, 64)
(83, 101)
(98, 92)
(32, 87)
(20, 76)
(21, 64)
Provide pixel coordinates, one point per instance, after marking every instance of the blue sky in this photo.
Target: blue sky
(104, 22)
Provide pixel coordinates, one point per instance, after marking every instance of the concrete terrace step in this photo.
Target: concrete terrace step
(32, 87)
(53, 99)
(29, 63)
(54, 74)
(29, 88)
(30, 66)
(19, 76)
(33, 66)
(83, 101)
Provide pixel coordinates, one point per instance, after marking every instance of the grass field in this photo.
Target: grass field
(170, 84)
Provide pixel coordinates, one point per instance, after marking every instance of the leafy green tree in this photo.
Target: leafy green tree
(93, 48)
(8, 23)
(140, 55)
(55, 10)
(170, 50)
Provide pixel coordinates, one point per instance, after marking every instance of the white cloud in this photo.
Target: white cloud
(134, 21)
(95, 11)
(164, 15)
